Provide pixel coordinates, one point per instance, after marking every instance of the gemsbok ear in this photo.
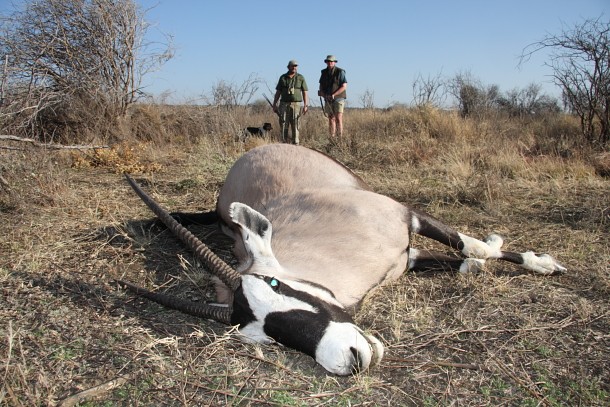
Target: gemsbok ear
(255, 230)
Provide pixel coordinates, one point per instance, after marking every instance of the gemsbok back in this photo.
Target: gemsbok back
(312, 240)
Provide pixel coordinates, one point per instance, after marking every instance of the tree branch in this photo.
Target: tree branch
(51, 146)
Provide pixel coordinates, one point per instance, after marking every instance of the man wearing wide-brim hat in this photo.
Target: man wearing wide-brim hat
(333, 85)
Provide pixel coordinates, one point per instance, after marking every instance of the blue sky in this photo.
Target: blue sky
(383, 45)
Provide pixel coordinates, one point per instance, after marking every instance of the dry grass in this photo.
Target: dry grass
(69, 336)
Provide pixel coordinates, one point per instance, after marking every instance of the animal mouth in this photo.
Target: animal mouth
(360, 362)
(357, 365)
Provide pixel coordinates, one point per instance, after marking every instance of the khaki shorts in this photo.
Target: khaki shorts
(338, 106)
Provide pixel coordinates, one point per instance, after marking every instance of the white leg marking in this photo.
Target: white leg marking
(472, 265)
(415, 224)
(481, 250)
(541, 263)
(494, 241)
(491, 249)
(413, 255)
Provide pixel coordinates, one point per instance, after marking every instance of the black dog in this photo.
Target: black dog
(262, 131)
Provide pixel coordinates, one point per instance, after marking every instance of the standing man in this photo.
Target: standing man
(290, 91)
(332, 88)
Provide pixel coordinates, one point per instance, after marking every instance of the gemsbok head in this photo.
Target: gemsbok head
(312, 240)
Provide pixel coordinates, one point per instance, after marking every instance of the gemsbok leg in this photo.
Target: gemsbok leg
(476, 251)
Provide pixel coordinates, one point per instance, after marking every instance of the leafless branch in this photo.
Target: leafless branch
(51, 146)
(71, 63)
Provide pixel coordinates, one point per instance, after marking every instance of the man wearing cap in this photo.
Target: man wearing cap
(290, 91)
(333, 85)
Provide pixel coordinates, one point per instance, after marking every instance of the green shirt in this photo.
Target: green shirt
(291, 88)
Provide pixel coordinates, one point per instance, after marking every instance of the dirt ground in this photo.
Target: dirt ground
(70, 336)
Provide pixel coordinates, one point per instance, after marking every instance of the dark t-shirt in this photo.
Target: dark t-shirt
(330, 81)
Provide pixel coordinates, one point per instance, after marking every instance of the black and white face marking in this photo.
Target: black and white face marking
(297, 314)
(270, 310)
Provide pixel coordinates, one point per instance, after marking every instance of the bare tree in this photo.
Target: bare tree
(580, 60)
(473, 98)
(231, 95)
(528, 102)
(367, 99)
(428, 90)
(73, 61)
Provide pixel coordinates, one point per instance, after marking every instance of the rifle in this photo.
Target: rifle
(322, 104)
(283, 119)
(270, 104)
(330, 104)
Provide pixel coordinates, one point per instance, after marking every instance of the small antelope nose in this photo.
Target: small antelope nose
(357, 362)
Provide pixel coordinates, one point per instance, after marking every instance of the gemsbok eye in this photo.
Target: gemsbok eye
(273, 283)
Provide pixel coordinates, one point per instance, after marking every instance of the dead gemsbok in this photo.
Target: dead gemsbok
(312, 240)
